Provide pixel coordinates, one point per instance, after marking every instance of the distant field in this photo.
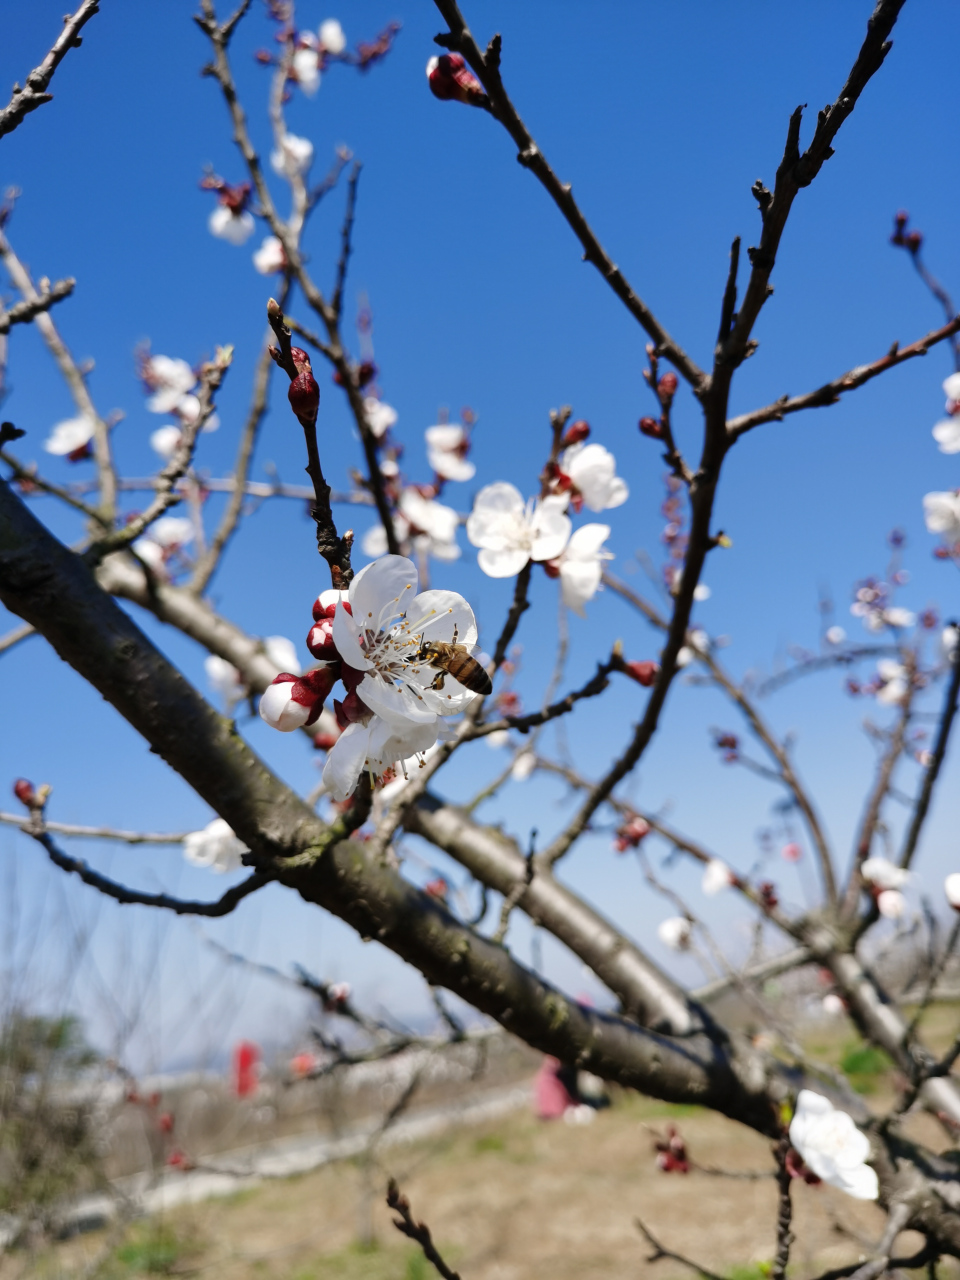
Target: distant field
(519, 1200)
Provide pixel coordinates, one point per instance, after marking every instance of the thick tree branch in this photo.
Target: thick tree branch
(34, 93)
(487, 68)
(932, 771)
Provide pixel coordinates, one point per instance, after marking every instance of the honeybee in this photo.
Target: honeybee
(453, 659)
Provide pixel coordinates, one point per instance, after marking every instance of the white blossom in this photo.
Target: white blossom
(883, 874)
(499, 738)
(235, 228)
(835, 635)
(382, 639)
(947, 435)
(717, 876)
(701, 591)
(833, 1004)
(951, 388)
(523, 766)
(674, 932)
(437, 522)
(224, 678)
(897, 617)
(165, 440)
(152, 555)
(445, 444)
(69, 435)
(951, 887)
(380, 416)
(215, 847)
(593, 470)
(581, 565)
(170, 380)
(896, 682)
(832, 1146)
(293, 156)
(948, 641)
(270, 257)
(282, 653)
(171, 531)
(891, 903)
(306, 68)
(510, 532)
(941, 512)
(332, 37)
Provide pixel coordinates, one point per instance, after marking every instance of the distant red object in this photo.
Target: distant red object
(551, 1097)
(246, 1059)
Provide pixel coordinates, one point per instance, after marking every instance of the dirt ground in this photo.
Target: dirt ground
(512, 1201)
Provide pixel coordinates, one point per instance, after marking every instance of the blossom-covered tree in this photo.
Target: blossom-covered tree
(399, 683)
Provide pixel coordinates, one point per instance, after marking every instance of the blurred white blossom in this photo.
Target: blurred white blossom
(581, 565)
(293, 156)
(379, 415)
(832, 1146)
(332, 36)
(235, 228)
(593, 471)
(446, 445)
(215, 847)
(270, 257)
(509, 532)
(69, 436)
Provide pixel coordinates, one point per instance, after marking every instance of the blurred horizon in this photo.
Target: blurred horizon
(661, 119)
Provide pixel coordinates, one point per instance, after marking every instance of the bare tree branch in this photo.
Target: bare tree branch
(932, 771)
(99, 833)
(29, 309)
(34, 93)
(418, 1231)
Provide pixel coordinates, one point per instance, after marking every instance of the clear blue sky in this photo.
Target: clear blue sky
(661, 117)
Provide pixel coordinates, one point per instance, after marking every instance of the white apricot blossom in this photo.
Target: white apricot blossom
(947, 435)
(832, 1146)
(717, 876)
(170, 379)
(674, 932)
(428, 525)
(951, 887)
(306, 64)
(510, 532)
(293, 156)
(883, 874)
(941, 512)
(215, 847)
(235, 228)
(896, 684)
(332, 36)
(165, 440)
(593, 471)
(446, 449)
(224, 678)
(581, 565)
(380, 416)
(400, 708)
(270, 257)
(69, 436)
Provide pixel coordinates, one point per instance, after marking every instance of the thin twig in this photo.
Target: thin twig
(14, 636)
(932, 771)
(517, 892)
(418, 1231)
(523, 724)
(661, 1251)
(99, 833)
(831, 392)
(120, 893)
(28, 478)
(34, 93)
(24, 312)
(785, 1236)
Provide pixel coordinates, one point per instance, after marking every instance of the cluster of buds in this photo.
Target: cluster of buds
(672, 1156)
(293, 701)
(729, 744)
(912, 241)
(451, 80)
(664, 387)
(767, 893)
(631, 833)
(871, 602)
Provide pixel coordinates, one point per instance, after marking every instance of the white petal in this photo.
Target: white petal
(390, 581)
(432, 517)
(947, 435)
(497, 509)
(345, 761)
(941, 511)
(306, 67)
(446, 436)
(172, 531)
(579, 581)
(374, 542)
(279, 710)
(951, 887)
(441, 611)
(451, 466)
(332, 37)
(551, 531)
(236, 229)
(951, 386)
(396, 704)
(585, 542)
(71, 434)
(346, 637)
(501, 563)
(282, 653)
(165, 440)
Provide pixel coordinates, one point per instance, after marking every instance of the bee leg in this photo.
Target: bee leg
(438, 682)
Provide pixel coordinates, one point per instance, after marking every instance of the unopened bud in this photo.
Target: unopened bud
(643, 672)
(25, 793)
(575, 433)
(724, 540)
(304, 396)
(650, 427)
(913, 240)
(291, 702)
(450, 80)
(551, 568)
(667, 386)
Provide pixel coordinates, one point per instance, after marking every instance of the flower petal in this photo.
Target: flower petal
(501, 562)
(346, 637)
(441, 612)
(345, 760)
(391, 579)
(397, 704)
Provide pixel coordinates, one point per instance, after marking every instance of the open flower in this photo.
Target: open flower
(675, 932)
(510, 532)
(270, 257)
(224, 678)
(234, 226)
(592, 472)
(895, 687)
(428, 525)
(581, 565)
(447, 446)
(170, 380)
(947, 435)
(941, 512)
(380, 416)
(165, 440)
(70, 438)
(215, 847)
(396, 701)
(717, 876)
(951, 887)
(883, 874)
(832, 1146)
(332, 37)
(293, 156)
(891, 903)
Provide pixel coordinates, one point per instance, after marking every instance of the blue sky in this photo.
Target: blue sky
(661, 117)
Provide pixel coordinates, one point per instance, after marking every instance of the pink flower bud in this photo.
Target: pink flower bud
(25, 793)
(667, 386)
(643, 672)
(650, 427)
(303, 392)
(291, 702)
(451, 81)
(791, 852)
(325, 605)
(352, 710)
(575, 433)
(320, 641)
(437, 888)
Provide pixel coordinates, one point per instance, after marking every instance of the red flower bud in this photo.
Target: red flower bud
(575, 433)
(768, 895)
(437, 889)
(25, 792)
(650, 427)
(913, 240)
(667, 386)
(551, 568)
(352, 710)
(324, 741)
(165, 1122)
(643, 672)
(304, 394)
(451, 81)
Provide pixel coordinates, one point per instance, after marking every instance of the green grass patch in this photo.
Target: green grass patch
(864, 1066)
